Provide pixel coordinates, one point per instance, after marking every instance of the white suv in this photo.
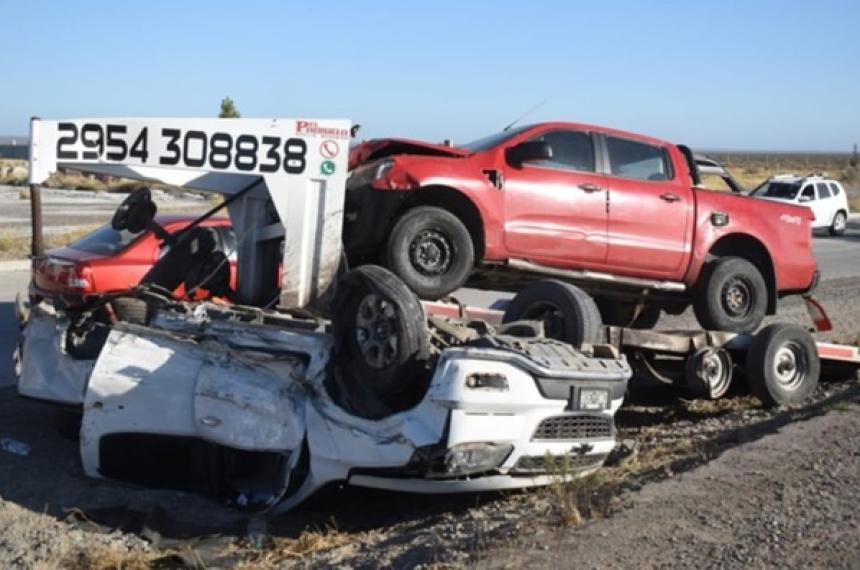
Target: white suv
(824, 196)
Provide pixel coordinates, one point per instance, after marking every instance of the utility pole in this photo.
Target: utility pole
(37, 242)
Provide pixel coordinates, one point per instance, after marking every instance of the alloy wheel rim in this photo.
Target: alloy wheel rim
(376, 331)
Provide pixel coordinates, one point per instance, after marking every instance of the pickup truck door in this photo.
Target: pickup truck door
(650, 209)
(555, 210)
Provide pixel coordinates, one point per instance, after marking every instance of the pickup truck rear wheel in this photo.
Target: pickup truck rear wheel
(431, 251)
(840, 222)
(566, 311)
(731, 295)
(381, 343)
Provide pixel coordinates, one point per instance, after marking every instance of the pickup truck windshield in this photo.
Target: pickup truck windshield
(783, 190)
(493, 140)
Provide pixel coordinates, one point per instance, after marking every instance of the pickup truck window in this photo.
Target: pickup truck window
(491, 141)
(571, 150)
(633, 159)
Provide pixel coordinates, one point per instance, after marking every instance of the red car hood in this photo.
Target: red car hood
(375, 149)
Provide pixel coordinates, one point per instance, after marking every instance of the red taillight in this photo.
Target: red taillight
(80, 279)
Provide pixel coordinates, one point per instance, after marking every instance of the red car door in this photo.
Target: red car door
(650, 210)
(555, 210)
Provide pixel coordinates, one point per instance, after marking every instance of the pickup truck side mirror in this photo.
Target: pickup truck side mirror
(527, 151)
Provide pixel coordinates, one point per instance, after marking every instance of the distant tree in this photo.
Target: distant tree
(228, 109)
(855, 160)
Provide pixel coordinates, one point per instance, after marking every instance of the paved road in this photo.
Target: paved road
(63, 210)
(839, 256)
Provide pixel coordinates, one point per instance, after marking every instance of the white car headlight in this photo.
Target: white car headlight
(593, 399)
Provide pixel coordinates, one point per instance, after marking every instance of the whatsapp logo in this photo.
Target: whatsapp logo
(327, 168)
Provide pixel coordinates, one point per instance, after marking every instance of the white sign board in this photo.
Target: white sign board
(301, 163)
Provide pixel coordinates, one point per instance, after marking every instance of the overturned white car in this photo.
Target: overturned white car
(255, 408)
(263, 407)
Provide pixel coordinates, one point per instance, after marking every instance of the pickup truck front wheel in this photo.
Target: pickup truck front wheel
(431, 251)
(731, 295)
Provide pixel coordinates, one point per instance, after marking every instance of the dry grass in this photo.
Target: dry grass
(17, 246)
(290, 549)
(14, 173)
(107, 557)
(751, 169)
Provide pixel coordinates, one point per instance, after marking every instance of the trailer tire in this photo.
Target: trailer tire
(431, 250)
(381, 343)
(708, 373)
(782, 365)
(567, 312)
(620, 314)
(731, 296)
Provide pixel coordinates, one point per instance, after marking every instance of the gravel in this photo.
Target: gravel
(788, 500)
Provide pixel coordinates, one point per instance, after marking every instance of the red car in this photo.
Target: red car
(623, 215)
(108, 260)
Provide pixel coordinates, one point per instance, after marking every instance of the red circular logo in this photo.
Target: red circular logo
(329, 149)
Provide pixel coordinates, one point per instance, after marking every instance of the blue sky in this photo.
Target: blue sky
(768, 75)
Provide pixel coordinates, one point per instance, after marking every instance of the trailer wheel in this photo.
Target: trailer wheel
(782, 365)
(381, 341)
(708, 372)
(567, 312)
(731, 296)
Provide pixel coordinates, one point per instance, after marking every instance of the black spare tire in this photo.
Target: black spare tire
(135, 212)
(431, 250)
(567, 312)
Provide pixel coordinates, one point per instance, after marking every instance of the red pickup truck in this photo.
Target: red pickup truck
(622, 215)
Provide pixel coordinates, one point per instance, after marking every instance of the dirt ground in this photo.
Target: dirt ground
(749, 486)
(787, 500)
